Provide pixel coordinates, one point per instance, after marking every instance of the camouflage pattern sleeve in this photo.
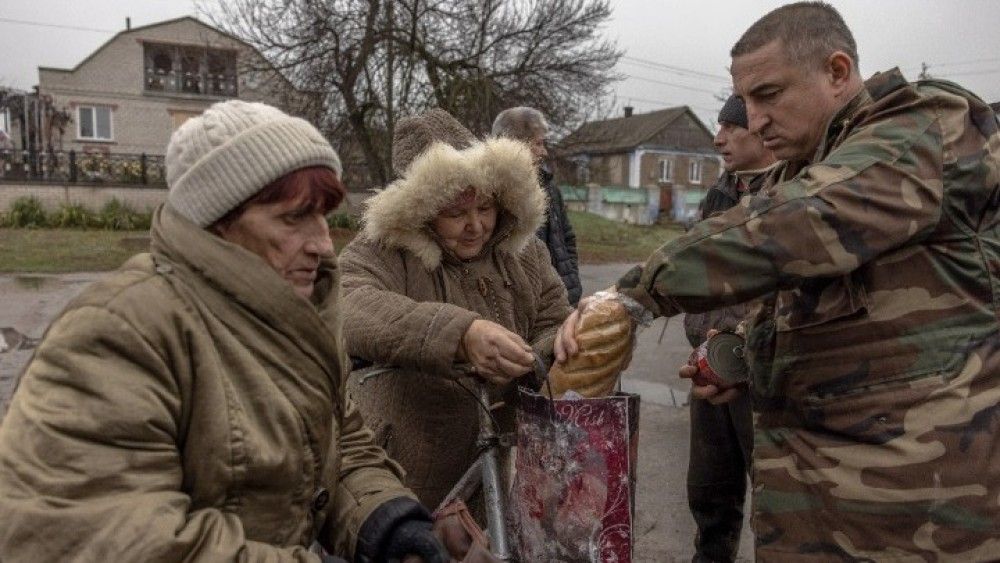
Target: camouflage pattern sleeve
(878, 191)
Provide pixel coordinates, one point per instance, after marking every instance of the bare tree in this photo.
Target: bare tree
(379, 60)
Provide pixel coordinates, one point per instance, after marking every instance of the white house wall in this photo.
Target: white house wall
(114, 76)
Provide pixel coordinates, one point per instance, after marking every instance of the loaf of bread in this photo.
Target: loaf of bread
(605, 339)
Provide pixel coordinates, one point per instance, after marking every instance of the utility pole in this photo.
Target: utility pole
(924, 75)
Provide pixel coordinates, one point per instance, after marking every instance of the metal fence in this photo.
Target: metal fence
(82, 168)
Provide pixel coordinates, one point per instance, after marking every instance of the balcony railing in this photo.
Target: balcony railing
(82, 168)
(221, 85)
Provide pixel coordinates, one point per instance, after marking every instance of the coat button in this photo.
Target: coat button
(320, 499)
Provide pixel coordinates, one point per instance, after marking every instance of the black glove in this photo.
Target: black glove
(414, 537)
(397, 528)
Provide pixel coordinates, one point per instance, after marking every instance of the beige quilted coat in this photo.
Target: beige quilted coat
(407, 304)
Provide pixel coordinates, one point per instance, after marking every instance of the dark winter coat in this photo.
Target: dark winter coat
(558, 236)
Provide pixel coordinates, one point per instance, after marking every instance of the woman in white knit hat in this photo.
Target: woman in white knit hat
(190, 406)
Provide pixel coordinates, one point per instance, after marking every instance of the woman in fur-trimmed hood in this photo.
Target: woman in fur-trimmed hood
(447, 271)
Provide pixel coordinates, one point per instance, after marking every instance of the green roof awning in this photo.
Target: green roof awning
(694, 198)
(573, 193)
(628, 196)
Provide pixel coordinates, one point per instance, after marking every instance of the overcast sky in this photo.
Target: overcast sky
(677, 52)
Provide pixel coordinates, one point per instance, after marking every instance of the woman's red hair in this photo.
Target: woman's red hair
(317, 186)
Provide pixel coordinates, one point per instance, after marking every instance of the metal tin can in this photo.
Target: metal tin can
(720, 361)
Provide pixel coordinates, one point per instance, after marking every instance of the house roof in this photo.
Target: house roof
(141, 28)
(623, 133)
(157, 24)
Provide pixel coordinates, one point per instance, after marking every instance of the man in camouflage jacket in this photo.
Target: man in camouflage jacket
(876, 364)
(722, 435)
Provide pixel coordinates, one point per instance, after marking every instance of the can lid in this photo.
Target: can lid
(724, 355)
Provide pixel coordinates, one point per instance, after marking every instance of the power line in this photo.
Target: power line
(57, 26)
(675, 69)
(675, 85)
(665, 104)
(967, 62)
(967, 73)
(953, 63)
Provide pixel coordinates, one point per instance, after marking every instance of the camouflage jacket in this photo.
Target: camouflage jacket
(722, 196)
(876, 364)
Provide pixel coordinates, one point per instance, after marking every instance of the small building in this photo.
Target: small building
(130, 94)
(667, 153)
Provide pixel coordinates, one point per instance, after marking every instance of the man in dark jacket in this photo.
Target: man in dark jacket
(722, 435)
(529, 125)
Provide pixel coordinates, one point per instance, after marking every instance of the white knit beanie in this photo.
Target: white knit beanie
(223, 157)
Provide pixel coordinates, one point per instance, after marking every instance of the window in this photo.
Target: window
(159, 68)
(94, 123)
(190, 70)
(694, 171)
(5, 120)
(582, 170)
(221, 73)
(666, 170)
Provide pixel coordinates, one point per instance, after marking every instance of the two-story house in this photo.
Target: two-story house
(669, 148)
(130, 94)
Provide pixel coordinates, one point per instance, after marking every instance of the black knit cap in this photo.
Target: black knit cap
(735, 112)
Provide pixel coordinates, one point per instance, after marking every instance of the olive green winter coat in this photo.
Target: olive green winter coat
(188, 407)
(408, 303)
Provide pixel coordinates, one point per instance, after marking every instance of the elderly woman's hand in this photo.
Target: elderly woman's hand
(565, 344)
(498, 354)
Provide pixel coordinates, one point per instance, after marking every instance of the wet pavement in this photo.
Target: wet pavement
(664, 528)
(28, 303)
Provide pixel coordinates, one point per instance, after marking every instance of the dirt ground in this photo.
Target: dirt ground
(664, 528)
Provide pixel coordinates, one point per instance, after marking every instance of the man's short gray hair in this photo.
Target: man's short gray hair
(521, 123)
(809, 31)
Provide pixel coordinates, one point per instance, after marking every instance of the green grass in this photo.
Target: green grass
(64, 250)
(69, 250)
(54, 251)
(601, 240)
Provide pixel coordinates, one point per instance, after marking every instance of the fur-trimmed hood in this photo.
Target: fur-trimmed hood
(398, 215)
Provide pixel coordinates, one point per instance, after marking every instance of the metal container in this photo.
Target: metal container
(720, 361)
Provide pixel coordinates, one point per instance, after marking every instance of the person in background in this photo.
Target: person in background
(874, 354)
(722, 435)
(191, 406)
(529, 126)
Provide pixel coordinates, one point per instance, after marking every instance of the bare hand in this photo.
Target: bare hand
(710, 393)
(565, 345)
(460, 544)
(498, 354)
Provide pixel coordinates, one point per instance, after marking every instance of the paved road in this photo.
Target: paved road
(663, 526)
